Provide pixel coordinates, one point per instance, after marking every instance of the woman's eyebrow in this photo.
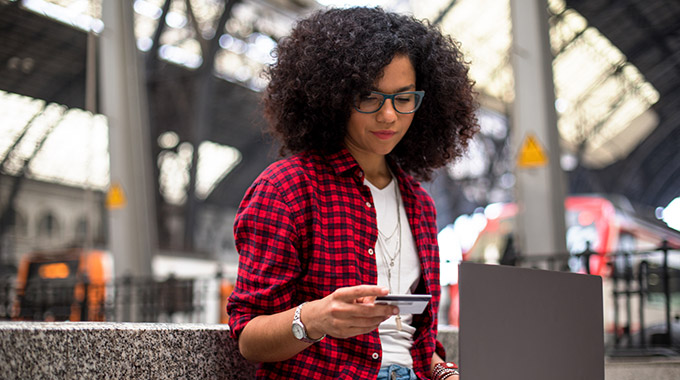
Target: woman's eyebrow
(405, 88)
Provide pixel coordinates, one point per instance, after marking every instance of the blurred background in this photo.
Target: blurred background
(129, 132)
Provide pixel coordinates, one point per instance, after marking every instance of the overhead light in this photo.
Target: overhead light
(147, 9)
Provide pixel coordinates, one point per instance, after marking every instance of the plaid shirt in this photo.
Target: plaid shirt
(306, 227)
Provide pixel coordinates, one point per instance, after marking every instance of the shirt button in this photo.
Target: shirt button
(370, 251)
(368, 204)
(375, 356)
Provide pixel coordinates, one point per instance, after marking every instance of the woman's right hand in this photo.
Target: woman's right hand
(347, 312)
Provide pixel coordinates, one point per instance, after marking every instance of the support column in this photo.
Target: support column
(540, 187)
(132, 229)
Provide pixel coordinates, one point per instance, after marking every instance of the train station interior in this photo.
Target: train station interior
(130, 133)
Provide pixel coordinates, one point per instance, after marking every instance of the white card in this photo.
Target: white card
(407, 303)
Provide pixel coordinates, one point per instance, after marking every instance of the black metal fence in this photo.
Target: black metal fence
(636, 285)
(641, 291)
(645, 277)
(123, 299)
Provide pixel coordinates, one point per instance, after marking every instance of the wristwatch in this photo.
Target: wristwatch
(299, 330)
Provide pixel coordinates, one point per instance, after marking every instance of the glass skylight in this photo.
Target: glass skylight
(599, 95)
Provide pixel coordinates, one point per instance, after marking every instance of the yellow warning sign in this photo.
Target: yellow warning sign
(531, 154)
(115, 198)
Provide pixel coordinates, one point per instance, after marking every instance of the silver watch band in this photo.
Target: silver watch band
(300, 327)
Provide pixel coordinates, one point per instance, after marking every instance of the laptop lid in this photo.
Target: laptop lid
(529, 324)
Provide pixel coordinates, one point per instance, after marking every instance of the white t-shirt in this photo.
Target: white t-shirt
(396, 344)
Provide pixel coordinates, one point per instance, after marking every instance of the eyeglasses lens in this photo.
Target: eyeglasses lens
(405, 102)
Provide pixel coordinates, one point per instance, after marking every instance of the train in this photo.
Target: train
(605, 226)
(602, 225)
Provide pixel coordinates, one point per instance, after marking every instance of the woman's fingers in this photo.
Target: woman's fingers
(351, 311)
(353, 293)
(358, 301)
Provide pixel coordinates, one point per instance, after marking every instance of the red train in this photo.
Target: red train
(604, 224)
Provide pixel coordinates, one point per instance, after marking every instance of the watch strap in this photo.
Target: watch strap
(297, 320)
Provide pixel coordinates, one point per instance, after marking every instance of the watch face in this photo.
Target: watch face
(298, 331)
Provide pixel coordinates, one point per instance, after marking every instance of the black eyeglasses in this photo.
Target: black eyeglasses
(403, 102)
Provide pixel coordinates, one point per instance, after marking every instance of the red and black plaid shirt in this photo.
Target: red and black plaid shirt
(307, 227)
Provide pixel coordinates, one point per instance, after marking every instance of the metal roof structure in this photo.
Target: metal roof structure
(648, 34)
(41, 57)
(46, 59)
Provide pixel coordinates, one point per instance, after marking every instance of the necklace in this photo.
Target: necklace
(396, 227)
(397, 253)
(388, 238)
(382, 239)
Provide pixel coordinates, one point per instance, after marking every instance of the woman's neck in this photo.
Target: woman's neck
(376, 171)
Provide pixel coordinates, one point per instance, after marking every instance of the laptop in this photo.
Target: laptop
(529, 324)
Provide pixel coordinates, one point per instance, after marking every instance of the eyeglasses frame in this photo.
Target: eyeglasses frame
(421, 94)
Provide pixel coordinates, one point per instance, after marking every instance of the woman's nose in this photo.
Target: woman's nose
(387, 114)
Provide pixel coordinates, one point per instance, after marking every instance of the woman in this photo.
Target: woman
(365, 100)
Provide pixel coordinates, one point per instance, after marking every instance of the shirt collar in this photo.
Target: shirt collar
(343, 163)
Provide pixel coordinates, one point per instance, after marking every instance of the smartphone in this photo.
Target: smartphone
(407, 303)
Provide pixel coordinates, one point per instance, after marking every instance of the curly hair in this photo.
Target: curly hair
(337, 54)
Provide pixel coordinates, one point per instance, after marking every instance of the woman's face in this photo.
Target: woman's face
(370, 135)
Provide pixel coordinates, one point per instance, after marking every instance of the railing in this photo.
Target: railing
(644, 276)
(633, 281)
(121, 300)
(636, 283)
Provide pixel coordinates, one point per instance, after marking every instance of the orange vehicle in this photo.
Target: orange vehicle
(226, 288)
(62, 285)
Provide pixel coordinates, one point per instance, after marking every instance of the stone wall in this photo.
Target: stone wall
(78, 350)
(84, 350)
(89, 350)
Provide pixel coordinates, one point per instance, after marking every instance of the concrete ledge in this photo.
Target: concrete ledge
(84, 350)
(654, 368)
(79, 350)
(448, 336)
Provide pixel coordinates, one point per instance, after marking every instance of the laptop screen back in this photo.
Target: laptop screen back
(518, 323)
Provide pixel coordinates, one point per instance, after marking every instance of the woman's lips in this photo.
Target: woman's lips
(384, 135)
